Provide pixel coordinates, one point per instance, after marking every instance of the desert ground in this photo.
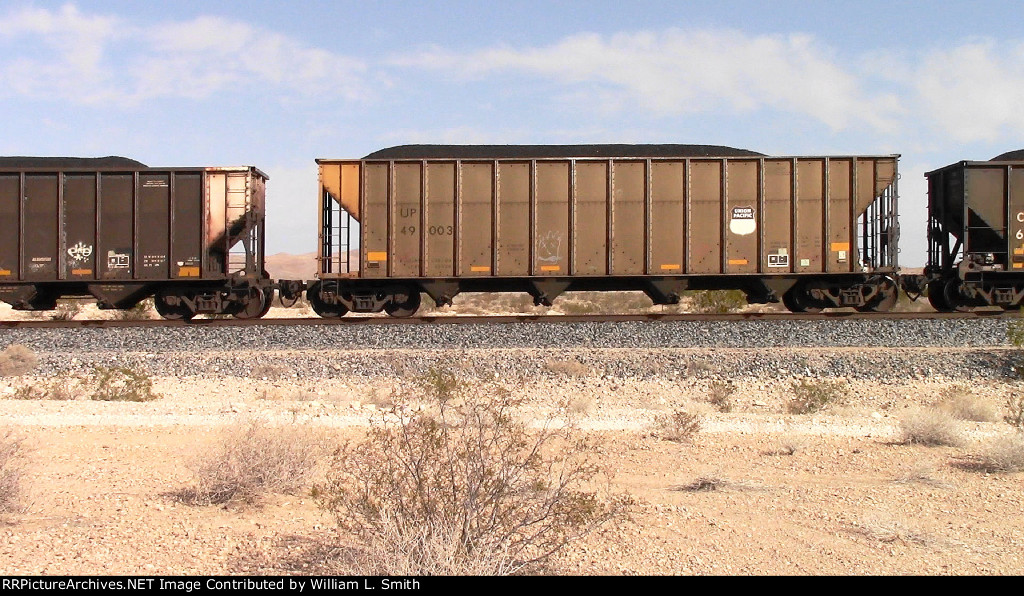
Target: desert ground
(756, 490)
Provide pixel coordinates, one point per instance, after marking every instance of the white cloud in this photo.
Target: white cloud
(56, 52)
(974, 91)
(88, 59)
(678, 72)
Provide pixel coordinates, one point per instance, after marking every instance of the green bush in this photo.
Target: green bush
(121, 383)
(717, 301)
(814, 395)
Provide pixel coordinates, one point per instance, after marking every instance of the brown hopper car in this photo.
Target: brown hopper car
(814, 232)
(119, 231)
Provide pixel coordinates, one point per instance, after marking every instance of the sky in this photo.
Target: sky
(278, 84)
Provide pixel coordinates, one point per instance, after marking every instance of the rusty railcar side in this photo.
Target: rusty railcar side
(821, 229)
(976, 234)
(121, 231)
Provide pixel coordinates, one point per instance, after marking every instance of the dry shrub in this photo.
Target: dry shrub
(679, 426)
(1015, 412)
(960, 403)
(17, 359)
(814, 395)
(11, 462)
(1004, 454)
(463, 488)
(249, 462)
(930, 426)
(720, 395)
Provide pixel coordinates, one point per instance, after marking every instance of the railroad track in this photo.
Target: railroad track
(506, 319)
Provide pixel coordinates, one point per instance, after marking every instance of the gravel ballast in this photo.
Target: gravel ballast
(626, 334)
(867, 349)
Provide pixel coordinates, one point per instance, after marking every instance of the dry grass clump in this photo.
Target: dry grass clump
(585, 303)
(922, 474)
(790, 444)
(249, 462)
(463, 487)
(680, 426)
(703, 484)
(960, 403)
(11, 470)
(17, 359)
(268, 371)
(582, 405)
(66, 310)
(488, 303)
(814, 395)
(886, 529)
(57, 389)
(1004, 454)
(930, 426)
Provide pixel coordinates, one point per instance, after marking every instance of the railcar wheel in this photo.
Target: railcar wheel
(951, 293)
(172, 312)
(937, 296)
(885, 300)
(798, 300)
(258, 304)
(324, 309)
(404, 309)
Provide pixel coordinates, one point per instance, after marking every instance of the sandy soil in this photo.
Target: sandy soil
(831, 493)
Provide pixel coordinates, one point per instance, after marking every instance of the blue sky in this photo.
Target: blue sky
(277, 84)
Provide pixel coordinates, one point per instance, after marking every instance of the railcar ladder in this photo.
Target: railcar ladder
(337, 236)
(238, 212)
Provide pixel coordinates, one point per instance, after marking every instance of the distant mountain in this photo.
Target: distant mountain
(288, 266)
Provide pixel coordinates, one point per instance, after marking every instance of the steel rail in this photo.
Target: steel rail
(507, 319)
